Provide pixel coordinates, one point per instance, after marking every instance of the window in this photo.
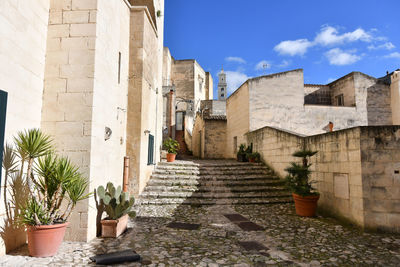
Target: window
(222, 95)
(339, 99)
(222, 89)
(150, 154)
(119, 67)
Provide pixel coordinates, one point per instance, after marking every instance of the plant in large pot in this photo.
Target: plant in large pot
(55, 186)
(298, 181)
(254, 157)
(241, 154)
(172, 147)
(117, 205)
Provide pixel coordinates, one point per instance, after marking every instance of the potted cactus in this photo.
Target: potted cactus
(172, 146)
(254, 157)
(117, 205)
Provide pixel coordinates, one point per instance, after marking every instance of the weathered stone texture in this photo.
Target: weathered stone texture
(356, 170)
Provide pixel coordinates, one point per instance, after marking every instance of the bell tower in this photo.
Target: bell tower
(222, 85)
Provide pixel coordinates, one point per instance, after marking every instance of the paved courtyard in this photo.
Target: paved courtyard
(265, 235)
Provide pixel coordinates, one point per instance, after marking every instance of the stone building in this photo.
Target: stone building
(209, 131)
(186, 84)
(283, 101)
(78, 69)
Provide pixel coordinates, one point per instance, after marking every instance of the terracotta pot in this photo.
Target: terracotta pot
(44, 240)
(114, 228)
(252, 160)
(305, 206)
(171, 157)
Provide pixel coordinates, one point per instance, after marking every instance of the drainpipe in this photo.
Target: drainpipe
(156, 131)
(126, 174)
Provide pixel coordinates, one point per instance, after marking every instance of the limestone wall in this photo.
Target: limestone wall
(344, 86)
(145, 111)
(356, 170)
(198, 137)
(395, 97)
(23, 34)
(215, 139)
(109, 98)
(209, 87)
(69, 89)
(238, 120)
(380, 159)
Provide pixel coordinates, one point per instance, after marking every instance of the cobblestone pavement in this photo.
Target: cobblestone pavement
(287, 240)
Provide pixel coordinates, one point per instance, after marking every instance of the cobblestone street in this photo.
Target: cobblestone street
(286, 240)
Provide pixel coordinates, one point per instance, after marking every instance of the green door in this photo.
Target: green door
(3, 110)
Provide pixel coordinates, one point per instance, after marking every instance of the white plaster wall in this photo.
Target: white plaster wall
(109, 99)
(23, 32)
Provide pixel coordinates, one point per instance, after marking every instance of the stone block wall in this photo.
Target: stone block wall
(395, 97)
(380, 159)
(237, 116)
(69, 89)
(357, 170)
(344, 86)
(23, 33)
(215, 138)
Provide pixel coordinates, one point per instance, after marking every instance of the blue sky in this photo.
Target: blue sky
(328, 39)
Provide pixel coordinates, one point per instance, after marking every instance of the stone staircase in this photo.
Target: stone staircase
(219, 182)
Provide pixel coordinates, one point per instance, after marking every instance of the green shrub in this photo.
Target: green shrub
(172, 146)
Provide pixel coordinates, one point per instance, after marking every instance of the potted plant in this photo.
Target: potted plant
(254, 157)
(172, 147)
(304, 194)
(241, 154)
(51, 181)
(117, 205)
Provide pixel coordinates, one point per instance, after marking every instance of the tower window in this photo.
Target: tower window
(222, 89)
(222, 95)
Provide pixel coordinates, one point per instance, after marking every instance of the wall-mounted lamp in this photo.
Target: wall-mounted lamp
(146, 131)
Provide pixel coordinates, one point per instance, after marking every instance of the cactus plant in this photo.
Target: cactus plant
(115, 202)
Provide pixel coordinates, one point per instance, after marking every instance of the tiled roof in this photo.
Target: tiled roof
(214, 117)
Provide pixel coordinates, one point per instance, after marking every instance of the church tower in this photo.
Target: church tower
(222, 85)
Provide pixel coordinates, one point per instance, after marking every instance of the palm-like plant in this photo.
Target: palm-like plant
(53, 180)
(32, 144)
(298, 179)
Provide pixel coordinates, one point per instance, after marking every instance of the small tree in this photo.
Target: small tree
(299, 174)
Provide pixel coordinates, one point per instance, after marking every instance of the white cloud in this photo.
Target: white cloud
(329, 80)
(336, 56)
(292, 48)
(235, 59)
(285, 63)
(263, 64)
(235, 79)
(393, 55)
(387, 46)
(330, 36)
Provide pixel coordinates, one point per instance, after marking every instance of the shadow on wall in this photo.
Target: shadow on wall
(16, 188)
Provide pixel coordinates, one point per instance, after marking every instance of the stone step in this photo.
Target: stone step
(212, 172)
(215, 183)
(214, 177)
(218, 168)
(215, 189)
(215, 195)
(213, 201)
(213, 164)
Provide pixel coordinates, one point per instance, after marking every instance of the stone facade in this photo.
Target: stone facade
(209, 132)
(356, 170)
(190, 84)
(76, 68)
(280, 100)
(23, 32)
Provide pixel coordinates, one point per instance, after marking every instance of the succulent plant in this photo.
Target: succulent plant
(115, 202)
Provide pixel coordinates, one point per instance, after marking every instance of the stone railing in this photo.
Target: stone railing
(357, 170)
